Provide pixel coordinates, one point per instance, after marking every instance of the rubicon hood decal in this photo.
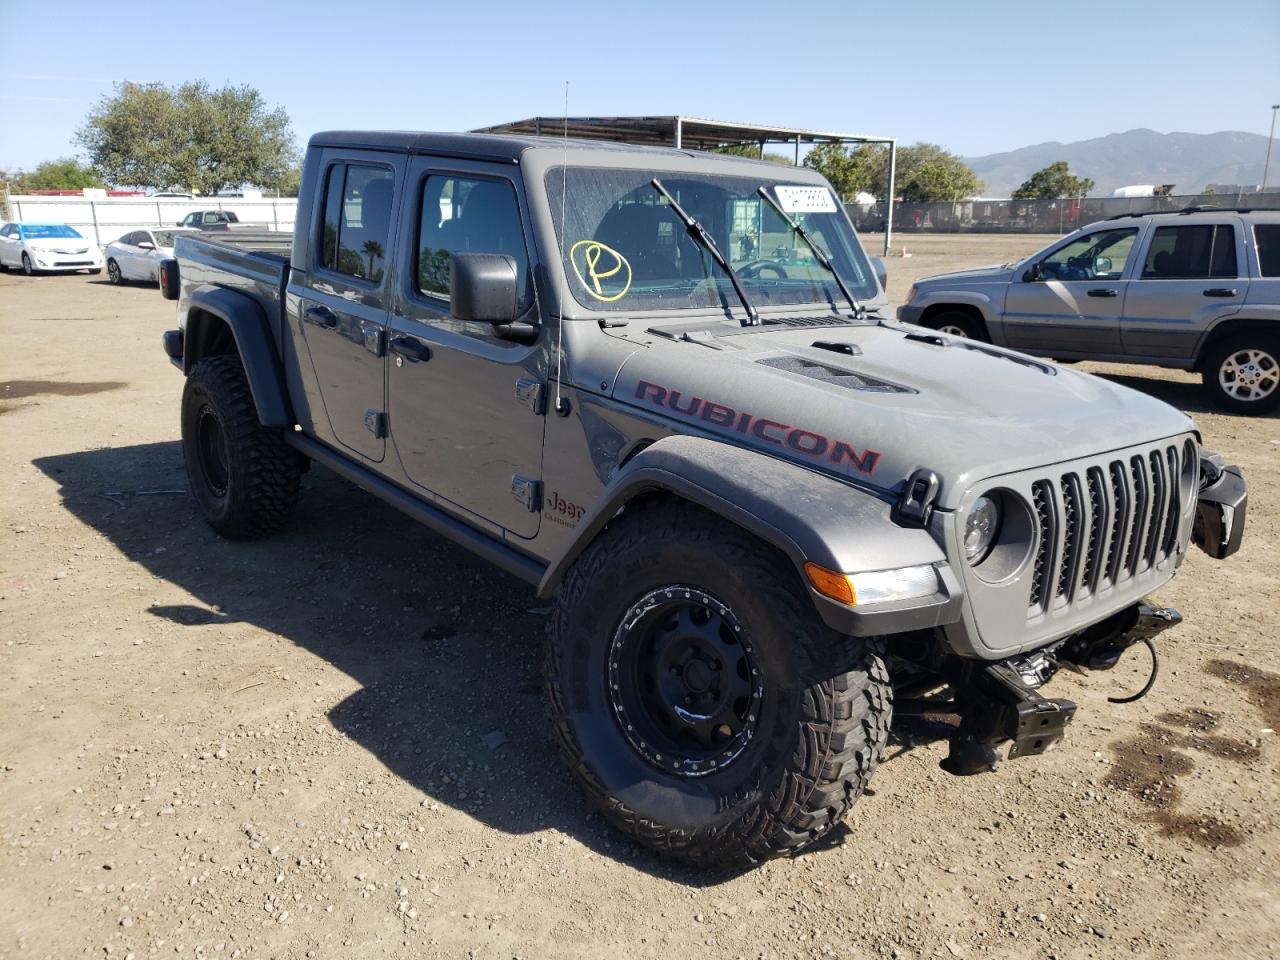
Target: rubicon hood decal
(805, 442)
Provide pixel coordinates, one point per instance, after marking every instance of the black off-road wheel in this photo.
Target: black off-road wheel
(1242, 374)
(958, 323)
(243, 476)
(698, 699)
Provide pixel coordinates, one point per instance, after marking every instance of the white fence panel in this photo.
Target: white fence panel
(103, 220)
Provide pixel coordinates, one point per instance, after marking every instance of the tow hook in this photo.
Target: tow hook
(997, 704)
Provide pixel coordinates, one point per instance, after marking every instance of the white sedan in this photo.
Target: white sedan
(37, 247)
(137, 255)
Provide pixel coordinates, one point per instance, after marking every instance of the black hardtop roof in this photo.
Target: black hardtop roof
(490, 146)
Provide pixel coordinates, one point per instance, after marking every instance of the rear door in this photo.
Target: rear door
(1071, 300)
(1190, 277)
(128, 256)
(464, 404)
(343, 304)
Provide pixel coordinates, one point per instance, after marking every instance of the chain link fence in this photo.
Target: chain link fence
(1036, 216)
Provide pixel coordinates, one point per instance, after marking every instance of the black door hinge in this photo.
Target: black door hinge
(528, 492)
(375, 422)
(532, 394)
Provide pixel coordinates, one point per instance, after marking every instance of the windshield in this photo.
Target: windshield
(625, 249)
(42, 231)
(164, 238)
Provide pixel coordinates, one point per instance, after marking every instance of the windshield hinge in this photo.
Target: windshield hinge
(915, 505)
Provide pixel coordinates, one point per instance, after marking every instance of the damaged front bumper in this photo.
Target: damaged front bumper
(1221, 508)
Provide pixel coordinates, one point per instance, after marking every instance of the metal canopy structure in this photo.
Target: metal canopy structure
(696, 133)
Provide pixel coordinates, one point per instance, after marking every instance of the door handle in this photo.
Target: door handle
(1220, 292)
(321, 316)
(1104, 292)
(411, 349)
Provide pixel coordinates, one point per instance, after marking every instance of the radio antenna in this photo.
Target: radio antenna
(561, 409)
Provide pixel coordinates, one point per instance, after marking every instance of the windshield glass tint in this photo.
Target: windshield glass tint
(41, 231)
(625, 249)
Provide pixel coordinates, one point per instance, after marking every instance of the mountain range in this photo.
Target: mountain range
(1190, 161)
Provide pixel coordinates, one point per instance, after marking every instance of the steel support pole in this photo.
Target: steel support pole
(679, 132)
(797, 149)
(1266, 167)
(888, 220)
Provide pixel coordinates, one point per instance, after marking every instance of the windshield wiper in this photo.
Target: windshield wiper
(699, 233)
(859, 311)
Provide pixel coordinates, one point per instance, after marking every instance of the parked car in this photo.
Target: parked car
(51, 247)
(760, 505)
(137, 254)
(209, 220)
(1195, 290)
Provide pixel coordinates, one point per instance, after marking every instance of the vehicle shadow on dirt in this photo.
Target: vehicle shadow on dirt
(447, 649)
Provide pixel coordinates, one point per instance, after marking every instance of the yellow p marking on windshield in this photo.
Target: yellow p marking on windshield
(614, 263)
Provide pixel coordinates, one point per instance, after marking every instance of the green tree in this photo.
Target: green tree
(923, 171)
(188, 136)
(66, 173)
(1052, 182)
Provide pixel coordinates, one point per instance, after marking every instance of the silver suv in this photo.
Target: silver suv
(1196, 290)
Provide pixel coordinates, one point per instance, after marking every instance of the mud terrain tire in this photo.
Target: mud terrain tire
(824, 707)
(244, 477)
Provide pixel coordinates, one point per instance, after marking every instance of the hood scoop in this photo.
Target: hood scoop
(832, 375)
(940, 340)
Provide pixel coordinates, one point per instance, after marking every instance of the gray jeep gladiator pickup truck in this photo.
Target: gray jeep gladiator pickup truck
(1197, 289)
(662, 387)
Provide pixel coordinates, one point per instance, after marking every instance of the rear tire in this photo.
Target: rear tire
(1241, 374)
(795, 716)
(114, 274)
(957, 323)
(243, 476)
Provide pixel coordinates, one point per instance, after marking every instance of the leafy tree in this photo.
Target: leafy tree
(66, 173)
(189, 136)
(923, 171)
(1052, 182)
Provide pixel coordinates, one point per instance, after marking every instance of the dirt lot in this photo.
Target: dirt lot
(333, 743)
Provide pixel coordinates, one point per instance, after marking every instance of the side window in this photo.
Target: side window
(1095, 256)
(1195, 252)
(7, 230)
(1267, 236)
(467, 215)
(357, 220)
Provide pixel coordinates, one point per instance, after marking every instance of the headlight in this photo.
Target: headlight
(980, 528)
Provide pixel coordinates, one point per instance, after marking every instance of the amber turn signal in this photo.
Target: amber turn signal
(837, 586)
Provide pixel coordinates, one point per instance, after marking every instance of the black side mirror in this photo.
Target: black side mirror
(1033, 273)
(484, 287)
(882, 274)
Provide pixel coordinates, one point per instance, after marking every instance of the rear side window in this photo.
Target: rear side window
(357, 220)
(468, 215)
(1267, 236)
(1191, 253)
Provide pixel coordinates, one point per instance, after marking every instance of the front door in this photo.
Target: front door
(343, 307)
(1189, 278)
(462, 402)
(1071, 301)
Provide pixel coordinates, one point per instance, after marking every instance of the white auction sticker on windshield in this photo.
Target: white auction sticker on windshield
(806, 199)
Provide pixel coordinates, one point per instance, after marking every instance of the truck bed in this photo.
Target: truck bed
(255, 263)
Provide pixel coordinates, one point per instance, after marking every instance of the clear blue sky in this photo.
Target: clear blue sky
(977, 77)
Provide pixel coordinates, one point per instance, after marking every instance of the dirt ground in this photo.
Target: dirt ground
(333, 743)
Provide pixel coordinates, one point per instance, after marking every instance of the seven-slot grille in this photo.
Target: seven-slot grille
(1102, 526)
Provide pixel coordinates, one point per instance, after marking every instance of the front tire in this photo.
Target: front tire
(114, 274)
(243, 476)
(698, 699)
(28, 267)
(1242, 374)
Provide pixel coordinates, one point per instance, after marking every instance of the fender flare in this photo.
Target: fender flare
(248, 324)
(808, 516)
